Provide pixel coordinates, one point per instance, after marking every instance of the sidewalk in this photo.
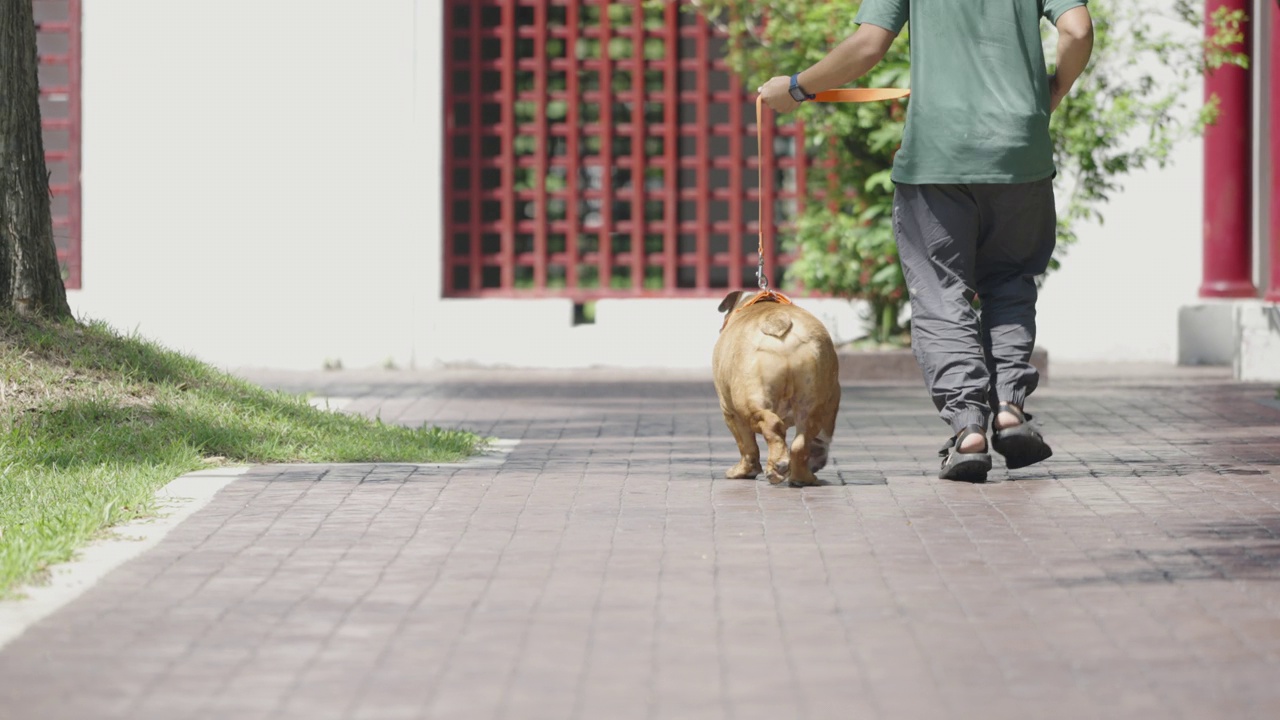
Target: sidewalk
(607, 570)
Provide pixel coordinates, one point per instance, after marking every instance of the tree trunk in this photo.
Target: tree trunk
(30, 279)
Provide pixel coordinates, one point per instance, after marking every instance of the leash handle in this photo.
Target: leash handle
(857, 95)
(843, 95)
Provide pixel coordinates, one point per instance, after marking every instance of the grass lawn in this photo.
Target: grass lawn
(92, 424)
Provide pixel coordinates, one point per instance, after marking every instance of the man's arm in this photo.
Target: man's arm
(849, 61)
(1075, 45)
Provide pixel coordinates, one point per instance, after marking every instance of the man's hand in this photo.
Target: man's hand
(777, 94)
(850, 60)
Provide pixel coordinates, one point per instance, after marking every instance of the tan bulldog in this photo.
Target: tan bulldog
(775, 368)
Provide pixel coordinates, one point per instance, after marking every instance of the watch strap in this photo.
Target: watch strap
(795, 85)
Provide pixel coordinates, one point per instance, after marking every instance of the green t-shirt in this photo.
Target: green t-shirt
(979, 110)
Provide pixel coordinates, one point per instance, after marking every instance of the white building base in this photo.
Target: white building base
(655, 333)
(1258, 349)
(1242, 334)
(1206, 334)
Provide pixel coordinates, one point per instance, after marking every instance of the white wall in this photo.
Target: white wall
(263, 187)
(1120, 287)
(627, 333)
(255, 189)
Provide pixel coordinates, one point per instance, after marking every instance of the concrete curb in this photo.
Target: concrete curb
(900, 366)
(493, 456)
(69, 580)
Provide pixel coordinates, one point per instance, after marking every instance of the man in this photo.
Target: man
(973, 205)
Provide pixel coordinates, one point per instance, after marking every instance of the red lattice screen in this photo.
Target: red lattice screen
(58, 42)
(602, 149)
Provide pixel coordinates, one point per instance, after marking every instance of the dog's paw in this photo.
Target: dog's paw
(743, 470)
(804, 480)
(776, 476)
(817, 462)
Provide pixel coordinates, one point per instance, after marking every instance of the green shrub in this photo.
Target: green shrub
(1126, 113)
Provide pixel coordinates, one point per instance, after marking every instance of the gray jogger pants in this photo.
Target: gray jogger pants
(961, 241)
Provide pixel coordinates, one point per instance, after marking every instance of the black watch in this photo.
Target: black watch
(797, 93)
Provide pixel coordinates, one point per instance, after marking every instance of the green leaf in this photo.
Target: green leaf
(880, 181)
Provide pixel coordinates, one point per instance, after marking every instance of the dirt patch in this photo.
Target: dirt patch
(36, 375)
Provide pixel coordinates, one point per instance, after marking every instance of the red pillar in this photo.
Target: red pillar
(1228, 186)
(1273, 294)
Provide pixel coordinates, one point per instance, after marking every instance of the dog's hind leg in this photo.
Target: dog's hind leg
(749, 465)
(805, 449)
(811, 448)
(775, 435)
(818, 452)
(820, 443)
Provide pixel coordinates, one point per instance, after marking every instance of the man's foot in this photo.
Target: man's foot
(1017, 439)
(973, 442)
(965, 456)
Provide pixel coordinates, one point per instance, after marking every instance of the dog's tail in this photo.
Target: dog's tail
(776, 325)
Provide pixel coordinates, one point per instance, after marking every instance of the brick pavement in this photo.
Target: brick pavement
(607, 570)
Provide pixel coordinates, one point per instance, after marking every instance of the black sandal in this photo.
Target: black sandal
(1021, 445)
(969, 467)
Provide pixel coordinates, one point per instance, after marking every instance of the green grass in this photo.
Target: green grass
(92, 424)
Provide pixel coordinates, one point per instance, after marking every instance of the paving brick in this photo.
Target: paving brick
(607, 569)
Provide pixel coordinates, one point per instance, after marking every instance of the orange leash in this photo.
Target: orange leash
(842, 95)
(856, 95)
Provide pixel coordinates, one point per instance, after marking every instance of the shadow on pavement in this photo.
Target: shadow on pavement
(1247, 550)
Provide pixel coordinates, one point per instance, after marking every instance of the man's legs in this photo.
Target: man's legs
(1018, 236)
(1017, 240)
(1008, 335)
(937, 228)
(955, 242)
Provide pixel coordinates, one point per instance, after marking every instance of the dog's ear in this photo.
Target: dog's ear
(731, 300)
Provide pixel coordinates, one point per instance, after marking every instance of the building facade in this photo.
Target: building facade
(408, 183)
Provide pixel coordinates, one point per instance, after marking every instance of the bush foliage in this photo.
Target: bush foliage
(1126, 113)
